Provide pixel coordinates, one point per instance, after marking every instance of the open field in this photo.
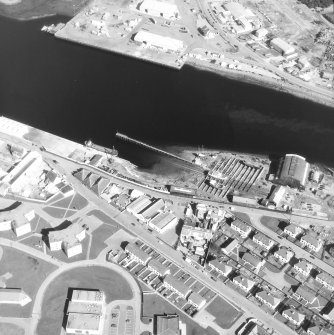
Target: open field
(226, 315)
(28, 273)
(10, 329)
(154, 304)
(113, 284)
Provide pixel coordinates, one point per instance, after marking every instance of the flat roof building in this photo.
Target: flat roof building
(139, 205)
(162, 221)
(165, 9)
(167, 325)
(282, 46)
(292, 171)
(156, 41)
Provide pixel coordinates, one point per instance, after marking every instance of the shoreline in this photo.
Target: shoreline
(261, 81)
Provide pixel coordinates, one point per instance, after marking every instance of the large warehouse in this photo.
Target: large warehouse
(282, 46)
(157, 41)
(292, 171)
(167, 10)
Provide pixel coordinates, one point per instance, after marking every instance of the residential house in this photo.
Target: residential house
(316, 330)
(325, 279)
(283, 254)
(244, 283)
(293, 316)
(221, 268)
(303, 267)
(158, 268)
(137, 254)
(268, 299)
(242, 228)
(293, 230)
(264, 241)
(255, 262)
(305, 294)
(230, 247)
(312, 242)
(177, 286)
(196, 300)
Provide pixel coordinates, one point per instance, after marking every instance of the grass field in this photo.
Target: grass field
(108, 281)
(10, 329)
(99, 235)
(28, 273)
(226, 315)
(154, 304)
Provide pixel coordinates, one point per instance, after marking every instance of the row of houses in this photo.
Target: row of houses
(169, 281)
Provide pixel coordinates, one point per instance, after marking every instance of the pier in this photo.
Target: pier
(160, 151)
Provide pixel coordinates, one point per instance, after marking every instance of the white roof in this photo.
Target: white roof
(285, 47)
(158, 40)
(166, 7)
(67, 235)
(162, 219)
(139, 204)
(236, 9)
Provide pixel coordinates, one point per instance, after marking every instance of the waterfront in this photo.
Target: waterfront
(79, 92)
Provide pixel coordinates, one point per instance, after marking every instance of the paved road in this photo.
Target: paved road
(37, 308)
(299, 252)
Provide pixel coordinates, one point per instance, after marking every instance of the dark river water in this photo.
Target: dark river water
(79, 92)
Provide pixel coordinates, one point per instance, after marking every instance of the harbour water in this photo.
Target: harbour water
(79, 92)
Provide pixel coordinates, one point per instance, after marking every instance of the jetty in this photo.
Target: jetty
(158, 150)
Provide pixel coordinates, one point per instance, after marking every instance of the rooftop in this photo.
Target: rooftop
(311, 239)
(67, 235)
(162, 219)
(135, 250)
(83, 321)
(167, 325)
(196, 299)
(251, 259)
(221, 266)
(84, 308)
(88, 295)
(177, 285)
(242, 226)
(273, 301)
(157, 266)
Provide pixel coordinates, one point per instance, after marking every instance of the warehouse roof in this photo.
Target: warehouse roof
(295, 167)
(162, 219)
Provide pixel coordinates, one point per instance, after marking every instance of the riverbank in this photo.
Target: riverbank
(258, 80)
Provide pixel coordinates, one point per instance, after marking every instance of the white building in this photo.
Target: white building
(283, 255)
(13, 296)
(311, 242)
(277, 195)
(139, 205)
(165, 9)
(293, 230)
(5, 225)
(244, 283)
(151, 211)
(21, 228)
(162, 222)
(156, 41)
(282, 46)
(303, 267)
(261, 33)
(68, 239)
(86, 313)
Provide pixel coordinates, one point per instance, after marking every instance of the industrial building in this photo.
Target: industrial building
(67, 239)
(139, 205)
(282, 46)
(159, 42)
(162, 222)
(238, 11)
(166, 9)
(86, 312)
(277, 195)
(292, 171)
(151, 211)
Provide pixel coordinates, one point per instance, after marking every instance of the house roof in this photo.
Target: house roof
(305, 293)
(263, 239)
(221, 266)
(326, 277)
(284, 253)
(311, 239)
(293, 229)
(304, 266)
(196, 299)
(316, 330)
(264, 295)
(294, 315)
(158, 267)
(167, 325)
(251, 259)
(242, 226)
(177, 285)
(135, 250)
(243, 281)
(231, 246)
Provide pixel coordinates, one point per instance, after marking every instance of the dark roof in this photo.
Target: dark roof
(81, 174)
(167, 325)
(91, 179)
(100, 185)
(51, 175)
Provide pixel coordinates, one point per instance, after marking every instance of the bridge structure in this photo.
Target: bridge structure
(126, 138)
